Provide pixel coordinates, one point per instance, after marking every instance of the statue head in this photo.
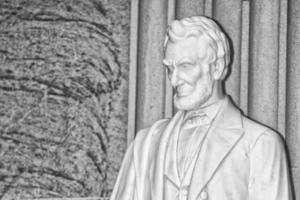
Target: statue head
(197, 56)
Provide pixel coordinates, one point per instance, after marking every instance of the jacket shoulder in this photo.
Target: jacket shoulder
(154, 130)
(258, 133)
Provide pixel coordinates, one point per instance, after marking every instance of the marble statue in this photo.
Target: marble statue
(209, 149)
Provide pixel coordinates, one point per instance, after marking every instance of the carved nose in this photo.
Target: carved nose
(174, 78)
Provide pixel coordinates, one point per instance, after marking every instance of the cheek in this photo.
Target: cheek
(195, 77)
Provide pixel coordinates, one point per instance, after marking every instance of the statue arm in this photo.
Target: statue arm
(269, 174)
(124, 188)
(132, 180)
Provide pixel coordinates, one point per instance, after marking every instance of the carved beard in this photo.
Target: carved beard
(202, 92)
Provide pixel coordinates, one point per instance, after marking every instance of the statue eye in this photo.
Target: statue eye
(186, 66)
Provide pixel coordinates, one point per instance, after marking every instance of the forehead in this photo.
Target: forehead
(190, 48)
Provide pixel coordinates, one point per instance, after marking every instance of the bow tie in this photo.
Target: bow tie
(194, 119)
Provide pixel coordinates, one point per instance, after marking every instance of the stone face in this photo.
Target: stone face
(63, 96)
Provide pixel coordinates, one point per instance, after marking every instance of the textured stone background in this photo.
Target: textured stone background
(63, 96)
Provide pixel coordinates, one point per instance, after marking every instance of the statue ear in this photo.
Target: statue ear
(219, 69)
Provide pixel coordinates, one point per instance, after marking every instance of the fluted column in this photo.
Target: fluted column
(188, 8)
(150, 72)
(263, 71)
(293, 91)
(229, 15)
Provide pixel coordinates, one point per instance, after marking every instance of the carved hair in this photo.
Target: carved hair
(200, 26)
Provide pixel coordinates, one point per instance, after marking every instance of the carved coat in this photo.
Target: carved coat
(239, 160)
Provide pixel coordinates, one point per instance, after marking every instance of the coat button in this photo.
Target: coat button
(182, 194)
(204, 195)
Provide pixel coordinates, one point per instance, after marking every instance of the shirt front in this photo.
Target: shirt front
(184, 148)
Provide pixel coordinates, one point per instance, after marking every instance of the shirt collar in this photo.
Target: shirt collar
(210, 111)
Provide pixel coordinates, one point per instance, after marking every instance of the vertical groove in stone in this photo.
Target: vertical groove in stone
(188, 8)
(132, 70)
(229, 15)
(150, 80)
(244, 58)
(208, 8)
(293, 91)
(282, 68)
(171, 10)
(263, 71)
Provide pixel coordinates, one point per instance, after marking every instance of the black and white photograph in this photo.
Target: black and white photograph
(149, 100)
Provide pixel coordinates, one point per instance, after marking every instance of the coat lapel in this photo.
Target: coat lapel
(171, 168)
(224, 133)
(158, 166)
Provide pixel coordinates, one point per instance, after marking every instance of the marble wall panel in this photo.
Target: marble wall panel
(63, 96)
